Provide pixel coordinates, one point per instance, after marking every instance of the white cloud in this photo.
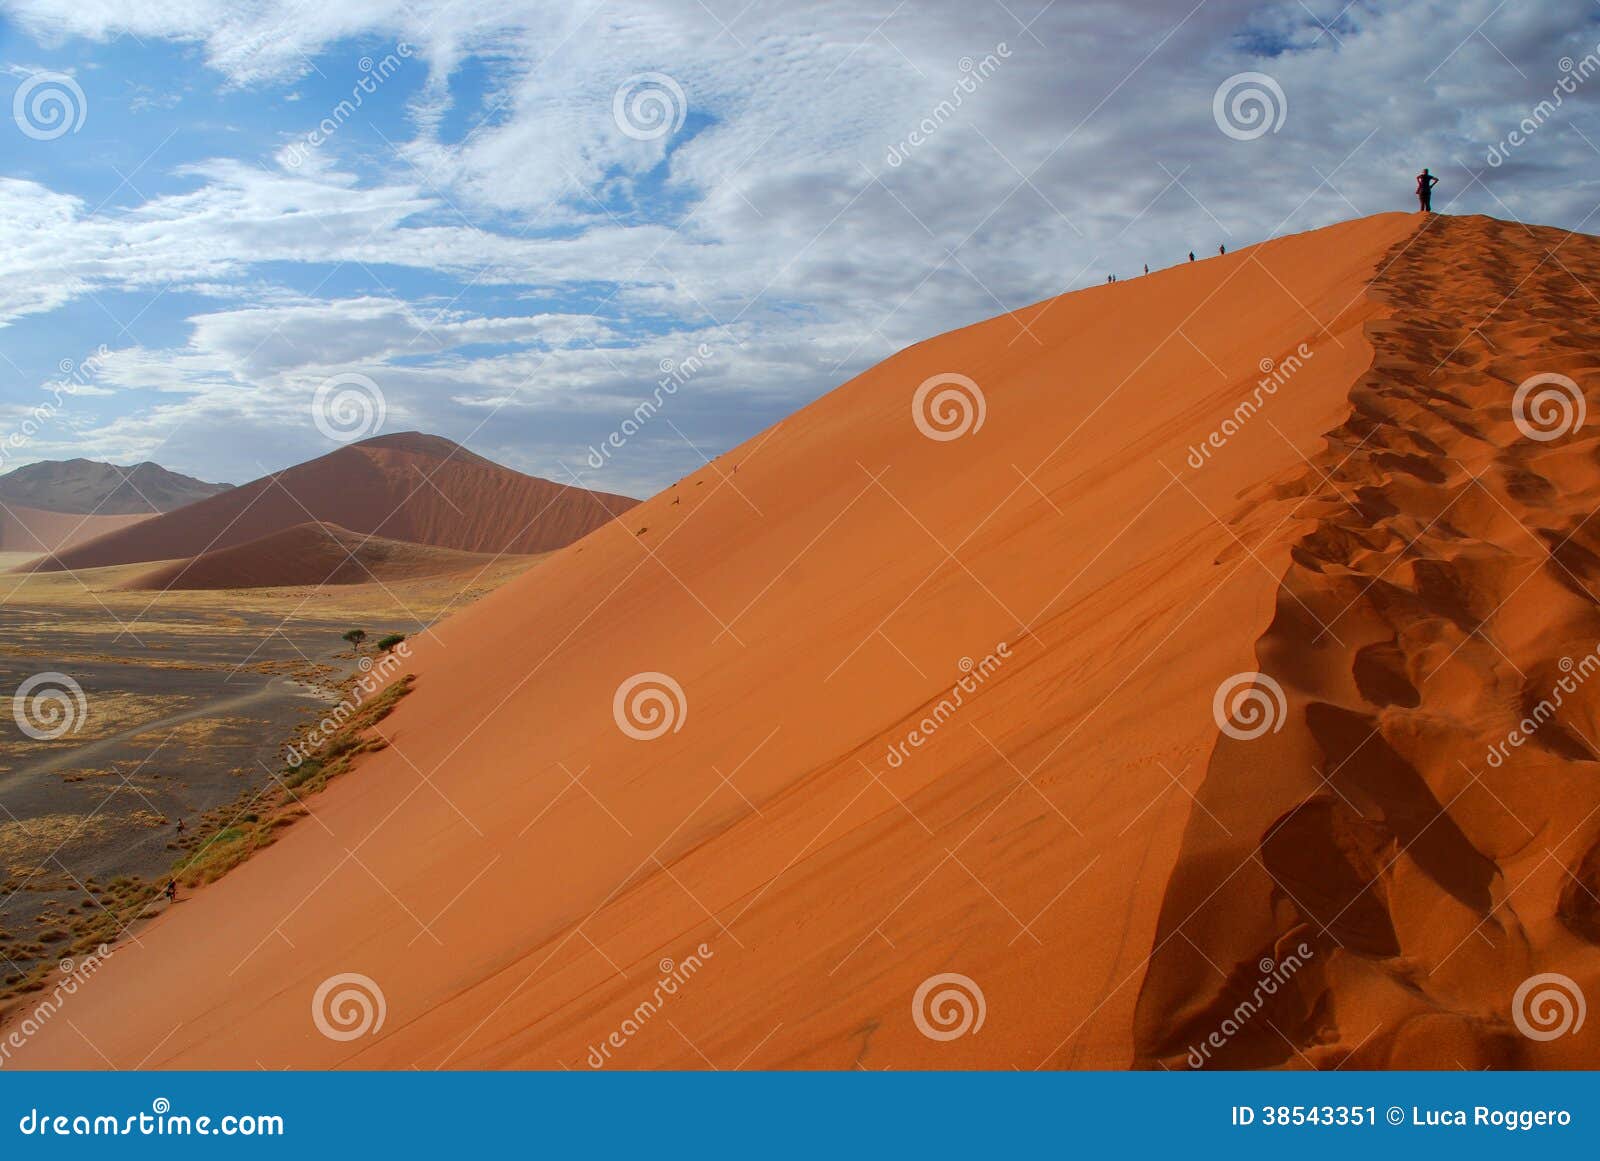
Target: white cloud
(772, 224)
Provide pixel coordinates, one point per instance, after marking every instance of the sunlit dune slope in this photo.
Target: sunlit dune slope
(411, 487)
(821, 828)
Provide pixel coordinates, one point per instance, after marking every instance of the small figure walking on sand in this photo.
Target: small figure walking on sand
(1425, 183)
(1147, 268)
(1222, 249)
(1191, 255)
(172, 891)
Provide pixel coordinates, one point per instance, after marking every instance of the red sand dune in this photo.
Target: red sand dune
(308, 554)
(410, 487)
(34, 530)
(1077, 836)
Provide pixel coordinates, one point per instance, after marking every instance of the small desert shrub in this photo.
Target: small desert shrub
(277, 806)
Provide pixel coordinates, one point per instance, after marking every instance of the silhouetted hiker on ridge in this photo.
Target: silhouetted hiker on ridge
(1425, 183)
(1147, 268)
(1191, 255)
(1221, 250)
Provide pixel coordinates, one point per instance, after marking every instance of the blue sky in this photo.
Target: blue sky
(506, 219)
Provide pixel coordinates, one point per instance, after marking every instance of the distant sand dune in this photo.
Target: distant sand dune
(307, 554)
(823, 825)
(36, 531)
(408, 486)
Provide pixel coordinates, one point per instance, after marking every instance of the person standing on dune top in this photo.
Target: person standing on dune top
(1425, 183)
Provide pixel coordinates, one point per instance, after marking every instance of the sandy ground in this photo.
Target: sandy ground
(820, 830)
(188, 699)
